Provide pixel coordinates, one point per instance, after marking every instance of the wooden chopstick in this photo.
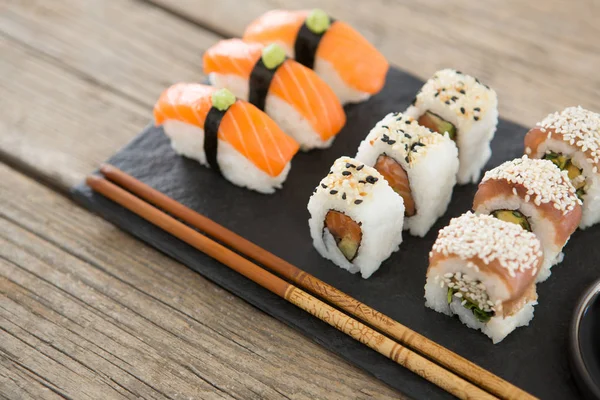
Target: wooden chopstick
(448, 359)
(326, 313)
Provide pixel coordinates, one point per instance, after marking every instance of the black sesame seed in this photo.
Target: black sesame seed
(385, 126)
(333, 192)
(385, 138)
(477, 109)
(330, 172)
(358, 201)
(462, 91)
(346, 173)
(477, 80)
(395, 113)
(391, 142)
(436, 94)
(458, 72)
(344, 196)
(372, 179)
(360, 167)
(348, 165)
(407, 122)
(361, 181)
(454, 98)
(462, 110)
(406, 135)
(447, 102)
(443, 89)
(406, 158)
(476, 118)
(324, 186)
(360, 224)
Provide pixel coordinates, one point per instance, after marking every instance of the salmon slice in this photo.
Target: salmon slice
(249, 130)
(359, 64)
(232, 56)
(276, 26)
(345, 231)
(310, 96)
(396, 176)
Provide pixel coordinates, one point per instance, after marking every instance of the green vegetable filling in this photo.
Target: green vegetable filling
(564, 163)
(513, 216)
(481, 315)
(437, 124)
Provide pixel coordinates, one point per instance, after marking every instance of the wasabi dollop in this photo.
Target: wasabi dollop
(273, 55)
(222, 99)
(318, 21)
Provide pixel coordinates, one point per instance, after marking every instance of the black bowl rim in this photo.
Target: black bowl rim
(584, 377)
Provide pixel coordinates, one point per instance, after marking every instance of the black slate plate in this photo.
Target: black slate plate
(533, 358)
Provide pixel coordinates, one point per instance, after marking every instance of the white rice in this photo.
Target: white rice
(498, 327)
(473, 137)
(431, 169)
(543, 228)
(188, 140)
(591, 199)
(285, 115)
(380, 213)
(327, 72)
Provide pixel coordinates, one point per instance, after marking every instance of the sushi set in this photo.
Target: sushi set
(308, 144)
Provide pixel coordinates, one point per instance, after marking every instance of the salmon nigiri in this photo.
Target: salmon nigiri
(295, 97)
(340, 55)
(231, 136)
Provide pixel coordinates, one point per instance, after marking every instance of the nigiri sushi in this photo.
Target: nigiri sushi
(340, 55)
(356, 218)
(231, 136)
(571, 140)
(484, 269)
(294, 96)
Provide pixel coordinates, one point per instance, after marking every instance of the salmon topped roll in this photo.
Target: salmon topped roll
(538, 197)
(483, 270)
(230, 136)
(571, 140)
(294, 96)
(466, 110)
(419, 165)
(355, 217)
(340, 55)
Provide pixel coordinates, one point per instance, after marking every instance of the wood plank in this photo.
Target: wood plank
(539, 55)
(85, 311)
(81, 79)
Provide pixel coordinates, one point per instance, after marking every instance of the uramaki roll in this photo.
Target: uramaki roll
(483, 269)
(536, 195)
(571, 140)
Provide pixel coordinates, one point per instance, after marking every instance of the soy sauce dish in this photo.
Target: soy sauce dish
(584, 343)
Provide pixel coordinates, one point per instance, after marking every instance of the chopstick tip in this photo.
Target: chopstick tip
(92, 180)
(106, 169)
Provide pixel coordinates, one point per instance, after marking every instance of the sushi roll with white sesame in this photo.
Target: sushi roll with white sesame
(467, 110)
(355, 217)
(571, 140)
(483, 270)
(419, 165)
(537, 196)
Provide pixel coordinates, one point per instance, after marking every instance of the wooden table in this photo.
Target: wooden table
(87, 311)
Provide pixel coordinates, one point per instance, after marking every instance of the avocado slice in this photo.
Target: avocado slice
(513, 216)
(437, 124)
(348, 247)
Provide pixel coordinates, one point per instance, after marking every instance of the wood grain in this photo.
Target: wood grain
(83, 305)
(540, 56)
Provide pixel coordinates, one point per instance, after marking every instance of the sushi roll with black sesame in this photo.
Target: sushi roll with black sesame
(420, 165)
(571, 140)
(538, 197)
(355, 217)
(483, 270)
(459, 105)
